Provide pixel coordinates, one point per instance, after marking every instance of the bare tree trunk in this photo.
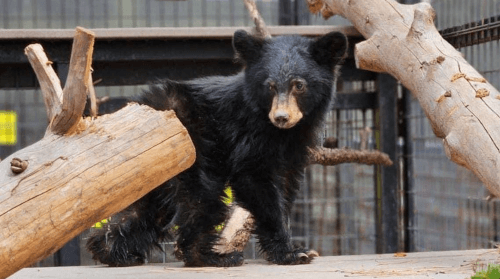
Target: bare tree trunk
(463, 108)
(83, 170)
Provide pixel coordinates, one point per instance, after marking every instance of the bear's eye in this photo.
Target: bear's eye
(271, 87)
(299, 86)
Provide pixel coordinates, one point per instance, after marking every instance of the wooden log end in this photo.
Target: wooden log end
(85, 31)
(315, 6)
(366, 56)
(423, 20)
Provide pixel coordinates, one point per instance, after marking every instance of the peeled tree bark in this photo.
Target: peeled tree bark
(462, 106)
(84, 169)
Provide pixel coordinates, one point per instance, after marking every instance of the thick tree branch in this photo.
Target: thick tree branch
(330, 157)
(463, 108)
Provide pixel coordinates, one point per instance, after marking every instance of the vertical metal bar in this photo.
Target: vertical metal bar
(48, 11)
(63, 14)
(204, 12)
(218, 16)
(34, 11)
(408, 179)
(285, 12)
(386, 181)
(162, 13)
(190, 13)
(307, 207)
(6, 14)
(495, 222)
(337, 194)
(106, 14)
(302, 14)
(69, 254)
(148, 14)
(19, 14)
(134, 13)
(176, 14)
(92, 14)
(120, 13)
(231, 13)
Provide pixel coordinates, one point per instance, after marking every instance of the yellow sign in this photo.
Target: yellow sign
(8, 127)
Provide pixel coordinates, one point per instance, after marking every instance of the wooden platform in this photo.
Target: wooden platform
(449, 264)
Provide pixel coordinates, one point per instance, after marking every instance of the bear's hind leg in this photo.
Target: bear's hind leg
(132, 234)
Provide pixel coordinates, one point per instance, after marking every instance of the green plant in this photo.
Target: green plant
(492, 272)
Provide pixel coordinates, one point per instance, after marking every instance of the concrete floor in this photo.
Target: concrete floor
(449, 264)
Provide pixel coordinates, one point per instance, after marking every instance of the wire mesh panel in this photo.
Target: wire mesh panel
(148, 13)
(334, 214)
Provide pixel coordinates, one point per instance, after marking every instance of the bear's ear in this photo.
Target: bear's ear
(329, 50)
(247, 47)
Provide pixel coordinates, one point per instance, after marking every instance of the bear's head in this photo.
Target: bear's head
(289, 77)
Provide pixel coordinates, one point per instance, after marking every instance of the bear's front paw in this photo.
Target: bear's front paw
(298, 256)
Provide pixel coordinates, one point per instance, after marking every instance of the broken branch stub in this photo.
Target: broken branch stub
(75, 90)
(463, 108)
(47, 78)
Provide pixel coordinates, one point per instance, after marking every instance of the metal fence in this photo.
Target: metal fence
(335, 211)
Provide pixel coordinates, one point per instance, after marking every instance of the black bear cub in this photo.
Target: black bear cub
(251, 131)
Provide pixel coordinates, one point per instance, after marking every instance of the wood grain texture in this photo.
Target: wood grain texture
(73, 181)
(403, 41)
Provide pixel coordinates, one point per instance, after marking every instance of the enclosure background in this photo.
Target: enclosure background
(334, 213)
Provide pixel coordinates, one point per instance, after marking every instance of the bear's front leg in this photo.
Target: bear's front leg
(269, 205)
(200, 211)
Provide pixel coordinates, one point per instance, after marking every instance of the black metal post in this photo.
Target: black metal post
(293, 12)
(408, 180)
(285, 12)
(386, 184)
(302, 14)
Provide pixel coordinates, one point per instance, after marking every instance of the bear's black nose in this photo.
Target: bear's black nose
(281, 118)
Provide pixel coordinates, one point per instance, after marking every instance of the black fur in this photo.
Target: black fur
(236, 143)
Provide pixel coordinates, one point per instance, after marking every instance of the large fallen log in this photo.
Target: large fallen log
(83, 170)
(462, 106)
